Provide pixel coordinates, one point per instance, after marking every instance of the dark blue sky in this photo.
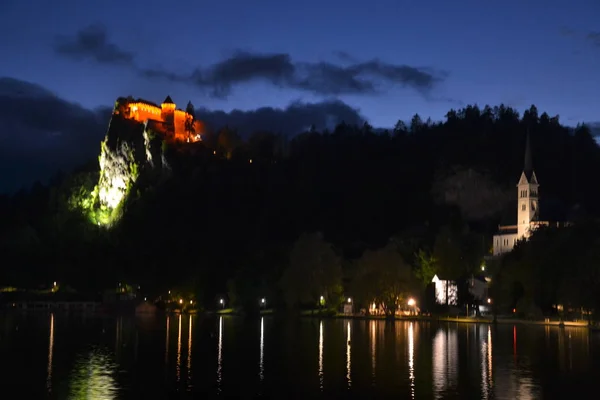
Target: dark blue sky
(281, 65)
(389, 58)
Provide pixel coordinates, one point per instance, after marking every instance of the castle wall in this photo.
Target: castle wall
(168, 114)
(141, 112)
(179, 121)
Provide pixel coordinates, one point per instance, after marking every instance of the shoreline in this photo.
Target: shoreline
(461, 320)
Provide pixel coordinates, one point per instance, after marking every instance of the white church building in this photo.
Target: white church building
(527, 210)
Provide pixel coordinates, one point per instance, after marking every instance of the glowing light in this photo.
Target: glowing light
(191, 301)
(411, 359)
(483, 267)
(250, 161)
(261, 366)
(263, 300)
(145, 299)
(54, 283)
(411, 302)
(489, 301)
(214, 152)
(321, 376)
(169, 292)
(220, 355)
(373, 306)
(50, 354)
(178, 367)
(180, 301)
(349, 357)
(349, 300)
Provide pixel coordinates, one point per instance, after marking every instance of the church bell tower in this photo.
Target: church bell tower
(527, 191)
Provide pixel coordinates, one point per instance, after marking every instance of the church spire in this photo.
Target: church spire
(528, 165)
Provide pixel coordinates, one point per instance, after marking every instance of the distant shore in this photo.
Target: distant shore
(462, 320)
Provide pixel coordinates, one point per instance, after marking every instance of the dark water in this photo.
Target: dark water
(158, 357)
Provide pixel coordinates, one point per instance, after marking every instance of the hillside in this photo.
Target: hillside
(205, 213)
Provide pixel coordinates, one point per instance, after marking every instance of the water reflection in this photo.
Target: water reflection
(262, 349)
(178, 368)
(348, 357)
(50, 354)
(167, 343)
(411, 359)
(220, 355)
(321, 355)
(486, 365)
(373, 334)
(445, 361)
(94, 377)
(189, 355)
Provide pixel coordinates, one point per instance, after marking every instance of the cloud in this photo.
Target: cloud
(345, 56)
(566, 31)
(594, 38)
(41, 133)
(595, 129)
(320, 78)
(295, 118)
(92, 43)
(279, 69)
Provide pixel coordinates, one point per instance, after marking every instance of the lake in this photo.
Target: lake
(157, 357)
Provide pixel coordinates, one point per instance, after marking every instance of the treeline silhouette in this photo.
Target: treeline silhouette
(228, 213)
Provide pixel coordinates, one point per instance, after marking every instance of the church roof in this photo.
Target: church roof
(168, 100)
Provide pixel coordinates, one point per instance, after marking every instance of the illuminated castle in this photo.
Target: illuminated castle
(166, 119)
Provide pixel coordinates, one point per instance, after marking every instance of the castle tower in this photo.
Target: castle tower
(168, 113)
(527, 191)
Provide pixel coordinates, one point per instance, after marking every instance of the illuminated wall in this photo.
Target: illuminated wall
(167, 113)
(446, 292)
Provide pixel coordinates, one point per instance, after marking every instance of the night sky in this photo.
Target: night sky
(65, 62)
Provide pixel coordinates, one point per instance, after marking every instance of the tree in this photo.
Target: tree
(314, 270)
(384, 277)
(426, 267)
(190, 120)
(400, 128)
(228, 141)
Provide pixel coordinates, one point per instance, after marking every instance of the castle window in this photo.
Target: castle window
(523, 207)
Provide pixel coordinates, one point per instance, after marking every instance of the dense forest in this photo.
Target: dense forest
(353, 211)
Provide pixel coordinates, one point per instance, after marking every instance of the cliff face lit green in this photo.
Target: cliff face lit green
(128, 149)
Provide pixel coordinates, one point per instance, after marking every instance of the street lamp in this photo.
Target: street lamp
(489, 301)
(349, 300)
(222, 302)
(411, 302)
